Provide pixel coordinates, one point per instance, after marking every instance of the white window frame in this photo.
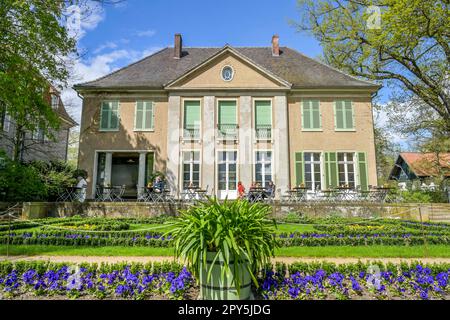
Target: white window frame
(302, 106)
(255, 162)
(100, 129)
(6, 122)
(55, 104)
(191, 163)
(346, 163)
(322, 166)
(237, 113)
(344, 118)
(254, 117)
(152, 129)
(227, 175)
(183, 118)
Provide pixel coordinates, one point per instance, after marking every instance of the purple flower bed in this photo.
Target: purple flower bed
(417, 283)
(73, 283)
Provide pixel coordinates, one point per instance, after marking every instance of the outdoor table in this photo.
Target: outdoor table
(70, 194)
(256, 194)
(379, 193)
(297, 194)
(113, 193)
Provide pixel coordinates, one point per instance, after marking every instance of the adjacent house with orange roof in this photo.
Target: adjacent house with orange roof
(416, 165)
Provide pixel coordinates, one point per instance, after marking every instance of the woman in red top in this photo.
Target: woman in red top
(241, 190)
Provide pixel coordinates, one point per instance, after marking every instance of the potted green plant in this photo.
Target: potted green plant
(225, 245)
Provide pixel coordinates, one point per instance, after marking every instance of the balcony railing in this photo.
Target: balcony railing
(191, 133)
(264, 132)
(227, 131)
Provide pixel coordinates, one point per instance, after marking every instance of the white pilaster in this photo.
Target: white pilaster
(245, 141)
(209, 146)
(281, 145)
(108, 168)
(141, 172)
(173, 143)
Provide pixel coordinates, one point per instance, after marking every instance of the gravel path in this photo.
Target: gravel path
(288, 260)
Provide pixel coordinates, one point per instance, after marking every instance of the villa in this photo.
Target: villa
(211, 117)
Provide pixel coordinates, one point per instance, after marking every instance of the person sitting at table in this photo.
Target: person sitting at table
(241, 190)
(158, 186)
(81, 186)
(270, 189)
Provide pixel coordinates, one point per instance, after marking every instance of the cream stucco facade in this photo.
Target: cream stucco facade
(275, 153)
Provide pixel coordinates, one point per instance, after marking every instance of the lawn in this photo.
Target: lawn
(432, 251)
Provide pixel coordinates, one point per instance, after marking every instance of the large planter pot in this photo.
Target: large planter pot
(218, 288)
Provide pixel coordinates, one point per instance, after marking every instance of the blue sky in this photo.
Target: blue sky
(117, 35)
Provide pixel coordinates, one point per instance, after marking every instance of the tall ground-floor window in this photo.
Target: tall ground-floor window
(313, 170)
(227, 170)
(191, 169)
(263, 167)
(346, 169)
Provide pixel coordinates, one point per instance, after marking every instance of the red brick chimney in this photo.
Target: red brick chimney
(178, 47)
(275, 45)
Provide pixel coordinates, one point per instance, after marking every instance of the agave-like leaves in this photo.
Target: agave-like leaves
(236, 231)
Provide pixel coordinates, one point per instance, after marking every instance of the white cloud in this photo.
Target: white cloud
(107, 45)
(146, 33)
(96, 67)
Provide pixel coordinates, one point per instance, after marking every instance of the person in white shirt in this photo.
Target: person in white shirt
(81, 185)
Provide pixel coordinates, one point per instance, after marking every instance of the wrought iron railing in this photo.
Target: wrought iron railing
(227, 131)
(264, 132)
(191, 133)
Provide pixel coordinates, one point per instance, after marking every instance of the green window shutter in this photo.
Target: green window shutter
(192, 114)
(263, 110)
(315, 114)
(299, 169)
(339, 115)
(109, 115)
(104, 115)
(349, 122)
(362, 165)
(227, 112)
(148, 115)
(306, 114)
(114, 119)
(139, 116)
(331, 170)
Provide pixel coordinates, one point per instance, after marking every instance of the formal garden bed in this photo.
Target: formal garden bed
(297, 281)
(156, 232)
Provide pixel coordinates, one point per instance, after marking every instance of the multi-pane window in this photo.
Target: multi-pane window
(227, 170)
(144, 116)
(263, 119)
(109, 116)
(191, 169)
(192, 119)
(263, 167)
(311, 119)
(5, 122)
(344, 117)
(346, 169)
(313, 170)
(54, 101)
(227, 122)
(38, 135)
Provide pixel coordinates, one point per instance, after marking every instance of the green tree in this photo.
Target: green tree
(399, 42)
(35, 45)
(36, 49)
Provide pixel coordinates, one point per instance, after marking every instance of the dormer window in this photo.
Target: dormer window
(55, 101)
